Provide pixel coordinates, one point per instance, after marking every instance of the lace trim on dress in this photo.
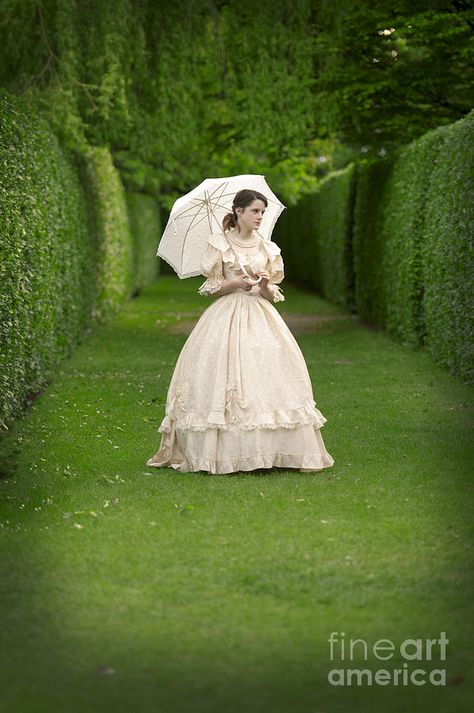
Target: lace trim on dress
(277, 292)
(211, 285)
(184, 419)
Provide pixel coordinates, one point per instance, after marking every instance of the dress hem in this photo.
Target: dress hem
(170, 455)
(224, 467)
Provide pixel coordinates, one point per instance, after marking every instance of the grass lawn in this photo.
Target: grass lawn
(127, 588)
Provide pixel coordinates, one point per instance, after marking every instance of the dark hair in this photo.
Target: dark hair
(242, 199)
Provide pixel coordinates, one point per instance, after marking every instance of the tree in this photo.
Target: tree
(387, 71)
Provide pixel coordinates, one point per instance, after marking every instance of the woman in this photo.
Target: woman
(240, 397)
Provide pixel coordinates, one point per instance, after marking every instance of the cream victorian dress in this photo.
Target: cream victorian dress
(240, 397)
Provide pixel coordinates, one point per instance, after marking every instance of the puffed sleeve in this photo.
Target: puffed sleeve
(276, 269)
(211, 267)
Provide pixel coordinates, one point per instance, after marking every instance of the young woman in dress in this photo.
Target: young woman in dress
(240, 397)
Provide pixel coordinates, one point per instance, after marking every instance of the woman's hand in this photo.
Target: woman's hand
(244, 282)
(265, 290)
(265, 277)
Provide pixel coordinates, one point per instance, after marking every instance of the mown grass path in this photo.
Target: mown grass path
(126, 588)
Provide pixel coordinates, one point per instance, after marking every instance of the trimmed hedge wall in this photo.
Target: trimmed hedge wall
(68, 258)
(316, 238)
(145, 226)
(45, 256)
(368, 242)
(294, 232)
(112, 278)
(402, 237)
(394, 241)
(448, 252)
(333, 238)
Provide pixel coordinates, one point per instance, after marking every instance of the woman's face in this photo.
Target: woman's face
(251, 216)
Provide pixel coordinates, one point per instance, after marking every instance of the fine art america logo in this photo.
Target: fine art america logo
(415, 653)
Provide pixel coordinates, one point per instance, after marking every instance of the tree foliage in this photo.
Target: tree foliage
(178, 91)
(182, 90)
(387, 71)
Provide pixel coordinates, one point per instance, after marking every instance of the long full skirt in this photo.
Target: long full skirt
(240, 397)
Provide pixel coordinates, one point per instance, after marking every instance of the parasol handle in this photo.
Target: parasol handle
(253, 282)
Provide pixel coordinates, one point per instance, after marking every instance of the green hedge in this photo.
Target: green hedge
(73, 248)
(316, 238)
(368, 241)
(393, 240)
(333, 237)
(145, 226)
(402, 236)
(45, 256)
(294, 234)
(448, 252)
(413, 245)
(112, 278)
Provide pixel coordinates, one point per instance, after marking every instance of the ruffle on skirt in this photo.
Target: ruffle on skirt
(246, 420)
(227, 451)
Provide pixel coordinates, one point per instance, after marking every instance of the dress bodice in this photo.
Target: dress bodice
(224, 260)
(252, 259)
